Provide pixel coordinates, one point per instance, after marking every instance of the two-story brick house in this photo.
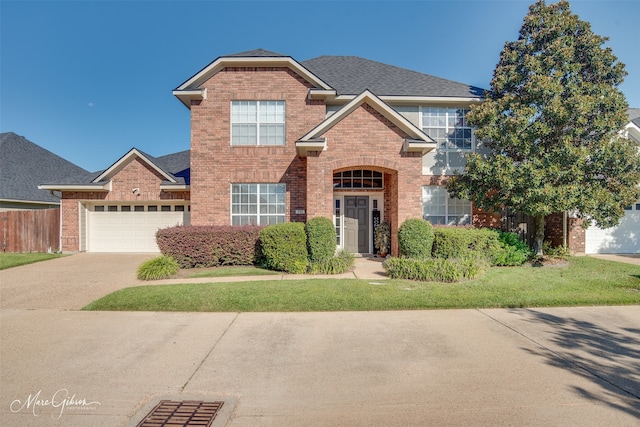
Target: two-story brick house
(276, 140)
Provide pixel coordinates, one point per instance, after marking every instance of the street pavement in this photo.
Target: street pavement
(60, 366)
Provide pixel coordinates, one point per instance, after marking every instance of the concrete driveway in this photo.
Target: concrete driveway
(68, 283)
(556, 367)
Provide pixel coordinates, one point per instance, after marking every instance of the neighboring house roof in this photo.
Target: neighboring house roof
(351, 75)
(634, 116)
(175, 168)
(24, 165)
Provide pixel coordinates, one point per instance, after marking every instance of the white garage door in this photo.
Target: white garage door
(114, 228)
(623, 239)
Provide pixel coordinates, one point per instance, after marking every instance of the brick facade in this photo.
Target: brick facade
(135, 174)
(215, 164)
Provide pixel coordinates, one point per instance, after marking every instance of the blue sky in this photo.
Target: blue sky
(88, 80)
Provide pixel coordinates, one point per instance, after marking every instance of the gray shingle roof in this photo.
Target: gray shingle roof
(351, 75)
(256, 52)
(25, 165)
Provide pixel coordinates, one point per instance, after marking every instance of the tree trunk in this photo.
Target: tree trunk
(538, 237)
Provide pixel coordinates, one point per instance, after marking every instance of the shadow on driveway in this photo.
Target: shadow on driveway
(610, 358)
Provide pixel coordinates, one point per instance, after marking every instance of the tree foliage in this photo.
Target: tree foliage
(551, 120)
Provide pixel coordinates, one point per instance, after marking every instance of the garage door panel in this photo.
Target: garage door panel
(623, 239)
(129, 231)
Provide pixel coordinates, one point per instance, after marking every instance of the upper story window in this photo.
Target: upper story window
(448, 127)
(257, 122)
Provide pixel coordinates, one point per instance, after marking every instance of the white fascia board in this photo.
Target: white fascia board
(175, 187)
(104, 186)
(30, 202)
(632, 131)
(322, 93)
(124, 160)
(240, 61)
(186, 96)
(380, 106)
(303, 147)
(417, 100)
(418, 146)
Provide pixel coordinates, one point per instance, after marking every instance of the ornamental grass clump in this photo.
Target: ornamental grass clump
(436, 269)
(161, 267)
(341, 263)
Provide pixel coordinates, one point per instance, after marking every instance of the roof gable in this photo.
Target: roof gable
(128, 158)
(191, 89)
(418, 140)
(369, 98)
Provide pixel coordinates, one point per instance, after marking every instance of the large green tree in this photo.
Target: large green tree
(552, 119)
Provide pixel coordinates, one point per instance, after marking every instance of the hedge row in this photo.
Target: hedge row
(210, 246)
(436, 269)
(450, 254)
(291, 247)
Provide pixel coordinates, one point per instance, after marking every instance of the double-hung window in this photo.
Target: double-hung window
(258, 204)
(439, 208)
(448, 127)
(257, 123)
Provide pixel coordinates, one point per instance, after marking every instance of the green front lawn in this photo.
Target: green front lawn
(8, 260)
(586, 281)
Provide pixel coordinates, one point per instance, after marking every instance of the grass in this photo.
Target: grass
(586, 281)
(233, 272)
(8, 260)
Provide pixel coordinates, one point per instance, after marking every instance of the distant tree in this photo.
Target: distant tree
(552, 119)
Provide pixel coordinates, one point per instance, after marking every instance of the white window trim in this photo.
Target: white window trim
(257, 214)
(448, 199)
(444, 147)
(258, 123)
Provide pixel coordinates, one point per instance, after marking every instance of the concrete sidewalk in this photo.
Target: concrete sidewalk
(556, 367)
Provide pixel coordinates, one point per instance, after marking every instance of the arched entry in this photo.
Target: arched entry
(358, 196)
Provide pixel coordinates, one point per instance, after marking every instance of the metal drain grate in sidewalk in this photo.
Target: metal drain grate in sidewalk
(187, 413)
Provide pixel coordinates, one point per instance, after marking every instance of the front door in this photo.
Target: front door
(356, 224)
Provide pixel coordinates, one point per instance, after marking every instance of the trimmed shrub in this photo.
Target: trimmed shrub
(161, 267)
(341, 263)
(436, 269)
(321, 239)
(210, 246)
(284, 247)
(455, 242)
(514, 251)
(415, 238)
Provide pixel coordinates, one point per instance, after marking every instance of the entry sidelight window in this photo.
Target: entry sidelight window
(258, 204)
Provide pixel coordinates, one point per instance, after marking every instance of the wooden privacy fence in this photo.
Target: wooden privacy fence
(36, 230)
